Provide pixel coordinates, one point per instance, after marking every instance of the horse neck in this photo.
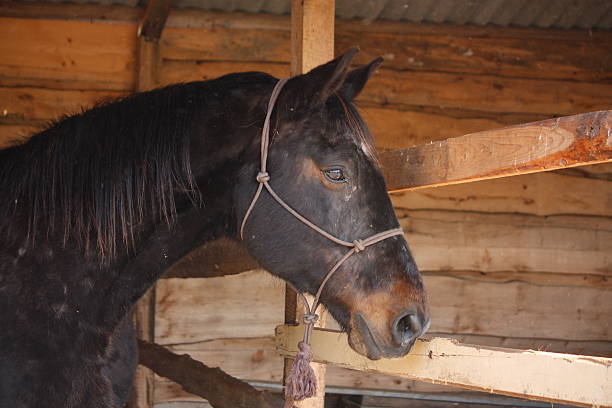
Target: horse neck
(223, 151)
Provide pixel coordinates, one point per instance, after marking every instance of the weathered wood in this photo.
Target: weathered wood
(188, 310)
(312, 44)
(25, 105)
(154, 19)
(543, 376)
(255, 359)
(543, 194)
(56, 50)
(148, 64)
(222, 390)
(533, 147)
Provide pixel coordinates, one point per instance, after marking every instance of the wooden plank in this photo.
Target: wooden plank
(507, 52)
(312, 44)
(26, 105)
(548, 194)
(255, 359)
(57, 50)
(154, 19)
(187, 311)
(408, 90)
(485, 92)
(540, 146)
(544, 376)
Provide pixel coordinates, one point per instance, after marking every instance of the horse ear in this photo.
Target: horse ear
(357, 78)
(315, 87)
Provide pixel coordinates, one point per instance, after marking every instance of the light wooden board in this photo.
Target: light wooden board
(28, 105)
(559, 378)
(256, 359)
(533, 147)
(35, 49)
(187, 311)
(548, 194)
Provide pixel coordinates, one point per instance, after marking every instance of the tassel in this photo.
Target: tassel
(301, 381)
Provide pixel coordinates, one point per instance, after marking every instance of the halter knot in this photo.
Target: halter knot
(311, 318)
(358, 245)
(263, 177)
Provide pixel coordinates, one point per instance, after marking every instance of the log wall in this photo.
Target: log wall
(523, 262)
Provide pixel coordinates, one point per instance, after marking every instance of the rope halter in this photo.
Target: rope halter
(301, 382)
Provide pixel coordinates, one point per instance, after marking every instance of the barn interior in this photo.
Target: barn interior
(521, 262)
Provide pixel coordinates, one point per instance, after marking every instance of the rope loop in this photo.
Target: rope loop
(359, 245)
(310, 318)
(263, 177)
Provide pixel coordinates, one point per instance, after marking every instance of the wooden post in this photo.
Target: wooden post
(312, 44)
(143, 315)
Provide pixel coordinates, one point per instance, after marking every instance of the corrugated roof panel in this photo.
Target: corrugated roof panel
(529, 12)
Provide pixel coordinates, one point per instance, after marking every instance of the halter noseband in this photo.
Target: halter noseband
(358, 245)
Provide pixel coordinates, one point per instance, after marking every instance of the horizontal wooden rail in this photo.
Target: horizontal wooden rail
(538, 375)
(569, 141)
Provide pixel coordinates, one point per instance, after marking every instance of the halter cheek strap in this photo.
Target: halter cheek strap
(301, 382)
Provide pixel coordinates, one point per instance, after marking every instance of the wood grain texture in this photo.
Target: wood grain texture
(188, 310)
(222, 390)
(533, 147)
(33, 49)
(543, 376)
(31, 106)
(256, 359)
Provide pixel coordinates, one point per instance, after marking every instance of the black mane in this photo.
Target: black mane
(59, 179)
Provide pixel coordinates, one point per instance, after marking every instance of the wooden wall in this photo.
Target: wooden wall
(521, 262)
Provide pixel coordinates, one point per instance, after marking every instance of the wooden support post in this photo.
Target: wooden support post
(143, 315)
(312, 44)
(539, 375)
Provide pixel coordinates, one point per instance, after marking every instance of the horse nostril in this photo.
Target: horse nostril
(407, 327)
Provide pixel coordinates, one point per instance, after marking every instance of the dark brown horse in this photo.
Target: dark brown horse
(95, 208)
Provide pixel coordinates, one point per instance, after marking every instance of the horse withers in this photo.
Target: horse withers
(97, 207)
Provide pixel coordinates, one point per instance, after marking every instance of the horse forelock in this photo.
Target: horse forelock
(359, 129)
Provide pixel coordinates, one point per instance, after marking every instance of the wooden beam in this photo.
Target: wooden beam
(312, 44)
(312, 34)
(544, 376)
(154, 20)
(552, 144)
(221, 389)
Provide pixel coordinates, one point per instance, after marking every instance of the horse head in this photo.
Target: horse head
(321, 162)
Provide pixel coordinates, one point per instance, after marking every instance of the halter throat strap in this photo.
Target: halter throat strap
(263, 179)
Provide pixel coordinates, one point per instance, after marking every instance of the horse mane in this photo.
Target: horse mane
(99, 172)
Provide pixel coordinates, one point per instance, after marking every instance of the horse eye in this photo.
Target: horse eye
(335, 175)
